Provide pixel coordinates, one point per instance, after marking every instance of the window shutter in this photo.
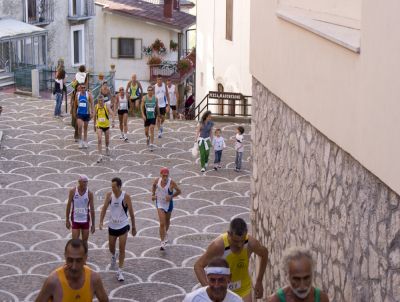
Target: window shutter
(229, 20)
(114, 48)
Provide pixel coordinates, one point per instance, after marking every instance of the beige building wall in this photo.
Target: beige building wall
(351, 98)
(113, 26)
(220, 60)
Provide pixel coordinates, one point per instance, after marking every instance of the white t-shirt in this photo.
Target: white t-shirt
(200, 295)
(161, 92)
(172, 95)
(239, 142)
(219, 143)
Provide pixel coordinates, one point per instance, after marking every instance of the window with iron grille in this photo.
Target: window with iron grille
(126, 48)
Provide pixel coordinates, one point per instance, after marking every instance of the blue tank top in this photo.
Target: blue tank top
(83, 104)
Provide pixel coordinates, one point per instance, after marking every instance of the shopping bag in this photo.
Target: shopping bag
(195, 150)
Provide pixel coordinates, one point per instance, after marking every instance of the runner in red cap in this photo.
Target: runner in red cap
(81, 201)
(164, 190)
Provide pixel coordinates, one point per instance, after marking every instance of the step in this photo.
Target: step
(5, 84)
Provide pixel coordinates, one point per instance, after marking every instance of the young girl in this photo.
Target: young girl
(239, 148)
(219, 145)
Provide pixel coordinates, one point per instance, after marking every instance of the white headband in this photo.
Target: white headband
(218, 270)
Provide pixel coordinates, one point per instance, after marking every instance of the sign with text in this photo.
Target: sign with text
(225, 95)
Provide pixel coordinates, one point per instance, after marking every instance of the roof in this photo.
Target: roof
(10, 28)
(149, 12)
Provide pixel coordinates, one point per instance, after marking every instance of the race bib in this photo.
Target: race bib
(117, 221)
(102, 119)
(150, 109)
(105, 98)
(82, 105)
(122, 106)
(235, 285)
(80, 211)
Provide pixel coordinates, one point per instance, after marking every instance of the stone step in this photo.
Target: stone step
(6, 84)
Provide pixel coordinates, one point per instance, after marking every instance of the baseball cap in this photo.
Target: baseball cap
(83, 177)
(164, 171)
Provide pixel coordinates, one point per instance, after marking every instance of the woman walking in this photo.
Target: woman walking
(121, 104)
(204, 138)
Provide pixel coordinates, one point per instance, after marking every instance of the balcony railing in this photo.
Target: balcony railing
(80, 10)
(40, 12)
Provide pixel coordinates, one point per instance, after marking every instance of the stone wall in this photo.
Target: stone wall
(307, 191)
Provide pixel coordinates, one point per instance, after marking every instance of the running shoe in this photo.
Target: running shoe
(80, 144)
(85, 145)
(203, 170)
(151, 147)
(215, 168)
(121, 136)
(120, 276)
(162, 247)
(100, 159)
(126, 138)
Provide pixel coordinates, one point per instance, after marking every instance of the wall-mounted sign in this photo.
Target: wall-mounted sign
(225, 95)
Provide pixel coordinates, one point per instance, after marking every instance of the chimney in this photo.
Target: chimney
(168, 5)
(177, 5)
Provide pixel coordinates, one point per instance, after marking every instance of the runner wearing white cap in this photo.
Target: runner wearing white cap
(81, 201)
(218, 278)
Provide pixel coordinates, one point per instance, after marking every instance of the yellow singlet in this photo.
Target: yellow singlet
(102, 119)
(239, 266)
(78, 295)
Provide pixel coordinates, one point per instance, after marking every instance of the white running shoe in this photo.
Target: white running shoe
(120, 276)
(121, 136)
(100, 159)
(85, 145)
(126, 138)
(203, 170)
(151, 147)
(80, 144)
(162, 247)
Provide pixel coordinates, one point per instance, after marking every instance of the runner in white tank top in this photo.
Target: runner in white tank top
(118, 225)
(164, 190)
(122, 106)
(162, 96)
(173, 98)
(80, 210)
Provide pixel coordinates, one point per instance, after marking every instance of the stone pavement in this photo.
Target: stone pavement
(39, 162)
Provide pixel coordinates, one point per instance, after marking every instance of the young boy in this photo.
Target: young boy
(239, 148)
(219, 145)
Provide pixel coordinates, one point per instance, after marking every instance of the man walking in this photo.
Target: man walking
(236, 247)
(80, 199)
(118, 226)
(74, 281)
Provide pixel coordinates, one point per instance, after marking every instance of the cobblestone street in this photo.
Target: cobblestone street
(40, 162)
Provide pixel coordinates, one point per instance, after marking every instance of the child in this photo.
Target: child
(219, 145)
(239, 148)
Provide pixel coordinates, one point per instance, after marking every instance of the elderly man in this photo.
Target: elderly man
(298, 267)
(74, 281)
(218, 278)
(236, 246)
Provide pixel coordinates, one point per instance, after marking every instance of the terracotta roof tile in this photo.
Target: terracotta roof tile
(149, 12)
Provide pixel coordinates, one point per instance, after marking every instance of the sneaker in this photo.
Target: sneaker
(80, 144)
(85, 145)
(215, 168)
(108, 151)
(203, 170)
(126, 138)
(121, 136)
(151, 147)
(100, 159)
(162, 247)
(120, 276)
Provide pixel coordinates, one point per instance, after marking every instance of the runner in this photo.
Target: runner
(134, 90)
(164, 190)
(102, 124)
(121, 103)
(81, 77)
(236, 246)
(74, 281)
(162, 95)
(80, 199)
(84, 113)
(218, 278)
(105, 91)
(173, 97)
(150, 111)
(118, 225)
(298, 266)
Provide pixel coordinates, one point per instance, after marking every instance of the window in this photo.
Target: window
(126, 48)
(76, 7)
(31, 10)
(77, 45)
(229, 20)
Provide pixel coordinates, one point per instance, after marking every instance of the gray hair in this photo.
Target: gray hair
(295, 253)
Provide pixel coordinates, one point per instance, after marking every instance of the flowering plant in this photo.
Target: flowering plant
(157, 45)
(173, 46)
(147, 51)
(184, 65)
(154, 60)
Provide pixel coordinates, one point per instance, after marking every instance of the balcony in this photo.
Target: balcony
(39, 12)
(81, 10)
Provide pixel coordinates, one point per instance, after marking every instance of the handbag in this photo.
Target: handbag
(195, 150)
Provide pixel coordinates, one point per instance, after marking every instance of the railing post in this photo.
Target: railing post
(35, 82)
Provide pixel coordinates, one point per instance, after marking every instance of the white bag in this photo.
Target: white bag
(195, 150)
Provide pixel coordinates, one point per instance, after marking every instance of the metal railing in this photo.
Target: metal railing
(220, 103)
(44, 13)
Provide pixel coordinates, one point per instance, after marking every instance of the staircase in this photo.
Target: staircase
(6, 79)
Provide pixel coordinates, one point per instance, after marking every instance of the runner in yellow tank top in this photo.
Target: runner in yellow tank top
(74, 281)
(102, 124)
(236, 246)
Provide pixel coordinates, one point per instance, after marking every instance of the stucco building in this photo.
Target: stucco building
(324, 138)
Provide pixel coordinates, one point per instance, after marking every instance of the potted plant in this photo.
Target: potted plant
(157, 45)
(173, 46)
(112, 66)
(147, 51)
(184, 65)
(154, 60)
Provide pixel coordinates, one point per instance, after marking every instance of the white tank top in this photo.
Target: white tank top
(172, 95)
(123, 103)
(118, 213)
(80, 207)
(161, 194)
(160, 93)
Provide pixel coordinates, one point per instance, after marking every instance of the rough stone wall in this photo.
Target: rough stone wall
(307, 191)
